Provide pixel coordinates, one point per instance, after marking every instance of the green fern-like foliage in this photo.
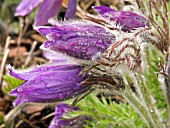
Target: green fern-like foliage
(153, 57)
(108, 113)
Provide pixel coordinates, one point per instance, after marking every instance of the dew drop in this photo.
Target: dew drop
(139, 106)
(19, 89)
(77, 86)
(30, 7)
(61, 96)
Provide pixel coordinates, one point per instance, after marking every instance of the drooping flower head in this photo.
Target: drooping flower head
(48, 83)
(82, 39)
(128, 20)
(77, 38)
(48, 9)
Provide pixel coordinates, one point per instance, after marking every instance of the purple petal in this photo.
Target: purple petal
(103, 9)
(58, 120)
(58, 58)
(29, 74)
(128, 20)
(26, 6)
(77, 39)
(46, 30)
(48, 9)
(62, 109)
(71, 9)
(51, 86)
(54, 56)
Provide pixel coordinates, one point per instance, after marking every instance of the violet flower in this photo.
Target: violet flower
(58, 121)
(48, 83)
(128, 20)
(82, 39)
(48, 9)
(77, 38)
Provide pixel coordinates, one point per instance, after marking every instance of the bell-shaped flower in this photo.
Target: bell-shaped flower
(48, 9)
(76, 38)
(48, 83)
(83, 39)
(128, 20)
(58, 121)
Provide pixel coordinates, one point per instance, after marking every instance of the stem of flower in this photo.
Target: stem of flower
(167, 86)
(149, 103)
(134, 101)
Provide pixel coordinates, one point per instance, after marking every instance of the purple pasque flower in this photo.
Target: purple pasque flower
(48, 9)
(82, 39)
(128, 20)
(48, 83)
(78, 39)
(58, 121)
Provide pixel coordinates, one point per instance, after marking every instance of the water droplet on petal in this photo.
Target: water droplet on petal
(61, 96)
(19, 89)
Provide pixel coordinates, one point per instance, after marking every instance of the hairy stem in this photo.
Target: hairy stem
(149, 103)
(134, 101)
(167, 86)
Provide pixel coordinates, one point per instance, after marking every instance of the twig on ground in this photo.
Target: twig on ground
(30, 54)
